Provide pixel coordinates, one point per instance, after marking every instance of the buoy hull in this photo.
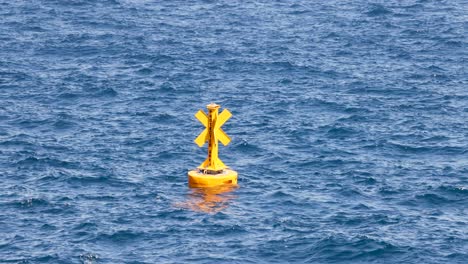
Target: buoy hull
(198, 179)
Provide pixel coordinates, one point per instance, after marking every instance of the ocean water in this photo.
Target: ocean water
(349, 131)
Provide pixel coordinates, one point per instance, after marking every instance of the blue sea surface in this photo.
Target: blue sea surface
(349, 131)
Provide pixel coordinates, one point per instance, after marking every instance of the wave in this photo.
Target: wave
(34, 161)
(356, 249)
(377, 10)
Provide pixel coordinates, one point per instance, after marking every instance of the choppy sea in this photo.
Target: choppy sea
(349, 131)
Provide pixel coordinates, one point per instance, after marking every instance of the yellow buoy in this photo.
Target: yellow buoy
(212, 172)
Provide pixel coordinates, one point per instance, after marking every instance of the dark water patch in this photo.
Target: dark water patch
(346, 191)
(415, 149)
(384, 219)
(376, 10)
(121, 236)
(340, 132)
(35, 162)
(46, 179)
(389, 191)
(97, 197)
(13, 77)
(162, 118)
(85, 231)
(69, 96)
(454, 43)
(145, 71)
(16, 143)
(361, 207)
(48, 227)
(279, 195)
(247, 148)
(459, 257)
(358, 112)
(285, 81)
(432, 199)
(146, 83)
(31, 124)
(436, 139)
(325, 104)
(454, 193)
(456, 190)
(167, 87)
(31, 203)
(299, 12)
(105, 93)
(359, 249)
(164, 155)
(64, 125)
(145, 114)
(412, 6)
(228, 230)
(60, 209)
(343, 219)
(45, 258)
(90, 180)
(142, 142)
(366, 180)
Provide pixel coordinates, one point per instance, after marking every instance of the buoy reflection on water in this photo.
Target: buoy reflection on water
(209, 200)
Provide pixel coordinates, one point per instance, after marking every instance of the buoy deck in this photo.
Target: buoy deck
(198, 179)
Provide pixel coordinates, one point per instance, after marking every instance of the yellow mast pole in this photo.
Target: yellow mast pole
(213, 164)
(212, 142)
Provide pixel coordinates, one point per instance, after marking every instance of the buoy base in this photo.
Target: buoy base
(198, 179)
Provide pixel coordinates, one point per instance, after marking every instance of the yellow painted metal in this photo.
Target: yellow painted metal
(212, 134)
(203, 137)
(220, 134)
(212, 172)
(198, 179)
